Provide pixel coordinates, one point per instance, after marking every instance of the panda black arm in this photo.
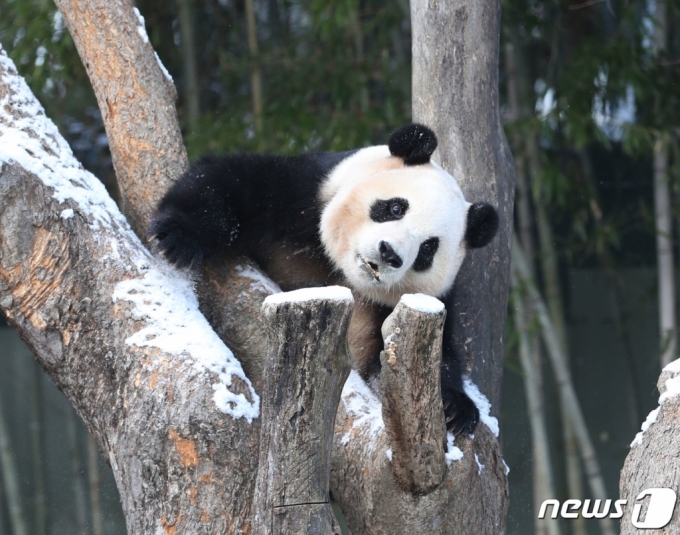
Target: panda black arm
(238, 203)
(460, 412)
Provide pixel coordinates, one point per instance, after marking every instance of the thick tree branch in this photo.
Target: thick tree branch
(145, 140)
(109, 323)
(137, 102)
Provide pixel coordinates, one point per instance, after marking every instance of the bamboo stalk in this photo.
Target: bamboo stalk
(664, 219)
(256, 75)
(530, 354)
(520, 270)
(2, 505)
(10, 479)
(78, 485)
(186, 28)
(94, 479)
(40, 509)
(544, 487)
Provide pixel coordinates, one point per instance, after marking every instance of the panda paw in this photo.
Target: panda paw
(175, 241)
(460, 412)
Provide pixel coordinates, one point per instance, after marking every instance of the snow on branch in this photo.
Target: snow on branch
(163, 298)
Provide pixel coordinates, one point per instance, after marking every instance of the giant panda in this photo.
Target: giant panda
(382, 220)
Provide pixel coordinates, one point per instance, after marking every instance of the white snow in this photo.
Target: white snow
(453, 452)
(365, 409)
(141, 27)
(388, 453)
(422, 303)
(333, 293)
(480, 466)
(482, 403)
(260, 282)
(651, 418)
(507, 468)
(161, 296)
(30, 139)
(672, 389)
(174, 324)
(163, 69)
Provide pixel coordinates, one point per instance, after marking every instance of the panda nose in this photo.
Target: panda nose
(389, 255)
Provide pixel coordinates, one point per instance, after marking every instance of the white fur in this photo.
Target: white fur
(437, 208)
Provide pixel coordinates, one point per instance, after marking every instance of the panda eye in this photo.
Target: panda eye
(389, 210)
(426, 254)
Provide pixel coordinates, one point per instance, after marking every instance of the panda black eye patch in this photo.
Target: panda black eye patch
(426, 254)
(389, 210)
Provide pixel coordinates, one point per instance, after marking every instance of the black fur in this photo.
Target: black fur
(240, 203)
(414, 143)
(482, 225)
(248, 203)
(426, 254)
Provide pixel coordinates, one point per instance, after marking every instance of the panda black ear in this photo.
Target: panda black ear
(482, 224)
(414, 143)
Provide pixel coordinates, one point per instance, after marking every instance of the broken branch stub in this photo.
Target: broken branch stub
(307, 364)
(411, 396)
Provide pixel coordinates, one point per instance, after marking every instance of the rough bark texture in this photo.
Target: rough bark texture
(410, 388)
(181, 465)
(455, 92)
(146, 143)
(364, 481)
(137, 103)
(654, 461)
(307, 364)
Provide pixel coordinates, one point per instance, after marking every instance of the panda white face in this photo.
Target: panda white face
(392, 228)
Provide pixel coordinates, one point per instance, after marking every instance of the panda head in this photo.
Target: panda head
(394, 222)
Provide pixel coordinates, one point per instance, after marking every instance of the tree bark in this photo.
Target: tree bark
(307, 364)
(455, 92)
(410, 388)
(137, 101)
(180, 463)
(653, 460)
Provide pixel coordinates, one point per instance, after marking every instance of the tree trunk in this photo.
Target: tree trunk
(455, 92)
(653, 461)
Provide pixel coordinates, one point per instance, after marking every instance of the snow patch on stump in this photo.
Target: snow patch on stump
(422, 303)
(364, 408)
(330, 293)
